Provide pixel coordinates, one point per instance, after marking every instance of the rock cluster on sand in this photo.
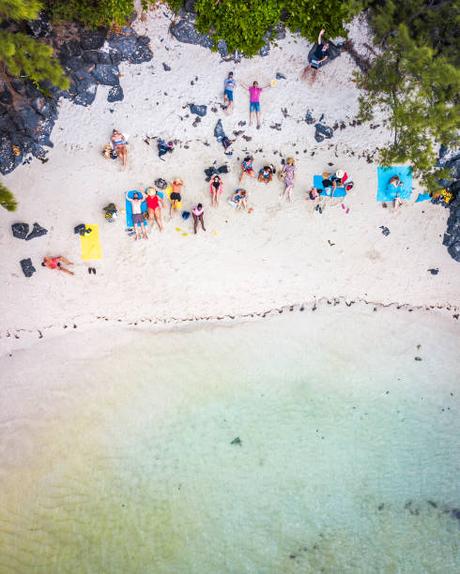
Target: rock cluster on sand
(90, 58)
(452, 236)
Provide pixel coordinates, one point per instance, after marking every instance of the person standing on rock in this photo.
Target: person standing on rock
(229, 86)
(254, 101)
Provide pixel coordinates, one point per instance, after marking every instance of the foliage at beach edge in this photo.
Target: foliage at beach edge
(7, 200)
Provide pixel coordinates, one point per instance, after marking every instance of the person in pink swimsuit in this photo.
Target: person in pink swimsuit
(198, 213)
(254, 101)
(56, 263)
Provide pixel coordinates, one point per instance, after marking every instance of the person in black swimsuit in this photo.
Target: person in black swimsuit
(318, 58)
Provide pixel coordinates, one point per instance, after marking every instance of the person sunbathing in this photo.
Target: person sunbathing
(395, 186)
(154, 206)
(266, 173)
(120, 144)
(216, 188)
(239, 199)
(288, 176)
(56, 263)
(138, 216)
(176, 195)
(247, 168)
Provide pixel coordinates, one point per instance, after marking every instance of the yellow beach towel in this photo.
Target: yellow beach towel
(91, 248)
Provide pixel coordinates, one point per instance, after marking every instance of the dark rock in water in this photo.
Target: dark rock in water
(106, 75)
(455, 513)
(434, 271)
(185, 31)
(199, 110)
(385, 230)
(323, 130)
(196, 121)
(237, 441)
(219, 133)
(318, 137)
(115, 94)
(418, 359)
(93, 39)
(280, 76)
(166, 68)
(37, 231)
(20, 230)
(27, 267)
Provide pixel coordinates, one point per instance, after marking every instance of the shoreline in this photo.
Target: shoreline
(13, 340)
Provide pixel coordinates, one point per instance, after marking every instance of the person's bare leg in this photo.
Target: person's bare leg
(258, 119)
(158, 218)
(137, 231)
(195, 223)
(64, 270)
(64, 260)
(251, 115)
(202, 222)
(144, 232)
(289, 192)
(243, 173)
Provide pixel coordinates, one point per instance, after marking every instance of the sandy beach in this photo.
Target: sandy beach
(281, 254)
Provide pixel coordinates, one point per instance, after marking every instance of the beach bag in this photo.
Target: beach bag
(113, 154)
(107, 151)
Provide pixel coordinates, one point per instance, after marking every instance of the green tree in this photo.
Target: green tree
(20, 54)
(7, 200)
(243, 24)
(92, 13)
(419, 92)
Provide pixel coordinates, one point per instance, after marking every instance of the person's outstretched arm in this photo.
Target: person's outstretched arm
(320, 36)
(127, 197)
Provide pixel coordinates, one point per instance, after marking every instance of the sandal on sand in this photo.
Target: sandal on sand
(345, 208)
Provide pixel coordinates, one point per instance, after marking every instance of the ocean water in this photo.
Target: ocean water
(307, 443)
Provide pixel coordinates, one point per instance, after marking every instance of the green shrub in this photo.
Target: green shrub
(7, 200)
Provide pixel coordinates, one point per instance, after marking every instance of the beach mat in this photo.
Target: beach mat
(129, 208)
(384, 174)
(423, 197)
(337, 192)
(91, 248)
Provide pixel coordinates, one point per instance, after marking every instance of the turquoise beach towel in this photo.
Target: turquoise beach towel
(129, 209)
(384, 174)
(423, 197)
(337, 192)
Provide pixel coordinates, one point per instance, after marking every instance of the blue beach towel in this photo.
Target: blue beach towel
(337, 192)
(129, 208)
(384, 174)
(423, 197)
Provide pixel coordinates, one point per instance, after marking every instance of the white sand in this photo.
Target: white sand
(281, 254)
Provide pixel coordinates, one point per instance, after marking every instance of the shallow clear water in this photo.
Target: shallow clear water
(307, 443)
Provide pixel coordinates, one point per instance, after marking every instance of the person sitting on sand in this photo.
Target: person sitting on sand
(239, 199)
(395, 186)
(247, 167)
(198, 214)
(319, 58)
(229, 86)
(119, 144)
(154, 205)
(176, 195)
(138, 216)
(288, 176)
(266, 173)
(56, 263)
(216, 188)
(254, 101)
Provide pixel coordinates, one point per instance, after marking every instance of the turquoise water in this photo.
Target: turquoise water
(307, 443)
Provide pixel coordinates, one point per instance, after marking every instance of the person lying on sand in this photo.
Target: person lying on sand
(320, 57)
(216, 188)
(138, 216)
(56, 263)
(254, 101)
(229, 87)
(176, 195)
(288, 176)
(266, 173)
(239, 199)
(247, 167)
(198, 216)
(119, 144)
(154, 206)
(395, 186)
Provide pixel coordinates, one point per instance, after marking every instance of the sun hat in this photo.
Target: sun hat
(339, 173)
(177, 180)
(150, 191)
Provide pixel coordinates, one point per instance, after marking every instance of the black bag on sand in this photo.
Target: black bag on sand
(27, 268)
(20, 230)
(37, 231)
